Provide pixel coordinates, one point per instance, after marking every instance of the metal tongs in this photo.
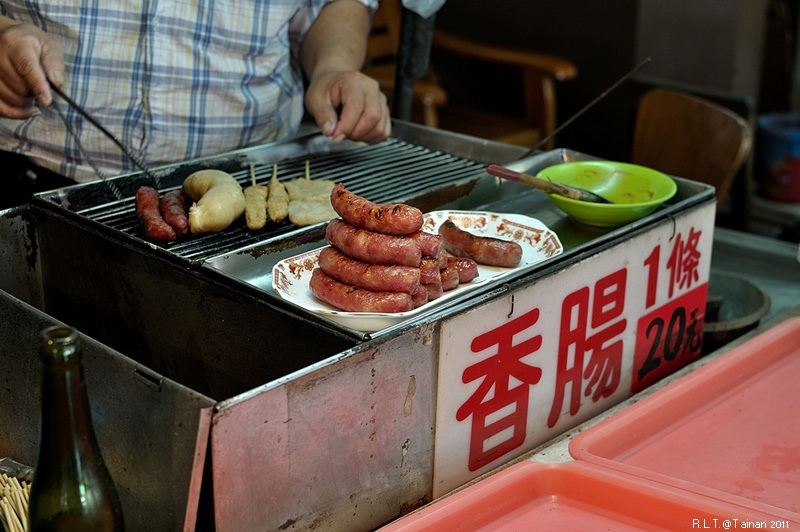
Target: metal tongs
(85, 114)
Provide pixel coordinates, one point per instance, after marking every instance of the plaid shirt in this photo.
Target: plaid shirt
(172, 79)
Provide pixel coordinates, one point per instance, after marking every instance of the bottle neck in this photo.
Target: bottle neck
(65, 407)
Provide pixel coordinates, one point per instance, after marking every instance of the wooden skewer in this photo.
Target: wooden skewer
(252, 174)
(12, 520)
(14, 503)
(308, 172)
(275, 170)
(21, 502)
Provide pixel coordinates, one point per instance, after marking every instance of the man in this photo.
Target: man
(175, 80)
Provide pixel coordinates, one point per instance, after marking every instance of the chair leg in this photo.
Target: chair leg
(429, 116)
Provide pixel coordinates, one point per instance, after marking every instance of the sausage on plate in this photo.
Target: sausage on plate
(372, 247)
(483, 249)
(435, 290)
(386, 218)
(429, 270)
(467, 268)
(419, 296)
(353, 299)
(430, 244)
(449, 278)
(376, 277)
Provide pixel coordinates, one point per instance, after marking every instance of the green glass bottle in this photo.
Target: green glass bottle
(71, 490)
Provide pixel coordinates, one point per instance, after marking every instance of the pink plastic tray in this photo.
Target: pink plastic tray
(572, 496)
(729, 431)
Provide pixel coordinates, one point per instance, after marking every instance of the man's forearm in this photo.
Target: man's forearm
(337, 41)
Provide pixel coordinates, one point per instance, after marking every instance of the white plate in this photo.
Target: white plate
(290, 276)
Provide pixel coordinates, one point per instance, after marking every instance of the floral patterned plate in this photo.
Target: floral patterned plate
(290, 276)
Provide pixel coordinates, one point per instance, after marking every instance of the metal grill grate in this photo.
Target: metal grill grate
(394, 170)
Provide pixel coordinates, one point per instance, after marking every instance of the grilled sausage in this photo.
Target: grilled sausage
(376, 277)
(467, 268)
(429, 244)
(435, 290)
(449, 277)
(173, 212)
(419, 296)
(443, 256)
(147, 210)
(429, 270)
(372, 247)
(386, 218)
(353, 299)
(483, 249)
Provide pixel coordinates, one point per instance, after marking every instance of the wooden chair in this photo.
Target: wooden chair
(688, 136)
(540, 73)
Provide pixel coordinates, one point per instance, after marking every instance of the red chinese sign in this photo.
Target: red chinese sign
(591, 347)
(507, 402)
(670, 336)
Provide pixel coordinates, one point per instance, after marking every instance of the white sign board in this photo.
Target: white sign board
(522, 369)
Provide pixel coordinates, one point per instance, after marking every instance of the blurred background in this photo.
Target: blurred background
(738, 53)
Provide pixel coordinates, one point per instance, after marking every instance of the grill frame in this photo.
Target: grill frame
(455, 179)
(374, 171)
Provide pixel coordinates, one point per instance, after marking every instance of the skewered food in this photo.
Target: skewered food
(277, 198)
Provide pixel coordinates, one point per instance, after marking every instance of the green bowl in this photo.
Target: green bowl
(634, 191)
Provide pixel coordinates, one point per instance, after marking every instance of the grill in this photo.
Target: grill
(396, 170)
(314, 425)
(429, 169)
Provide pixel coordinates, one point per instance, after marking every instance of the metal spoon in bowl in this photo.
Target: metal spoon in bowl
(542, 184)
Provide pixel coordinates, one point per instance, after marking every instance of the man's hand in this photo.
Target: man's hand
(344, 102)
(28, 58)
(350, 105)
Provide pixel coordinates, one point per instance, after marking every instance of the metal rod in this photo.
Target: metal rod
(132, 156)
(113, 187)
(413, 56)
(586, 107)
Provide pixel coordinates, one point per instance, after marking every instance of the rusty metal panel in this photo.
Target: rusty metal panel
(19, 254)
(345, 445)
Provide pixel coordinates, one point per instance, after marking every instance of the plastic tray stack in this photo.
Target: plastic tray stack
(718, 448)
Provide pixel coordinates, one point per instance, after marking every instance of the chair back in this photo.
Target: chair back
(384, 37)
(688, 136)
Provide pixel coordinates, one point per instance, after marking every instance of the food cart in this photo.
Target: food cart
(286, 418)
